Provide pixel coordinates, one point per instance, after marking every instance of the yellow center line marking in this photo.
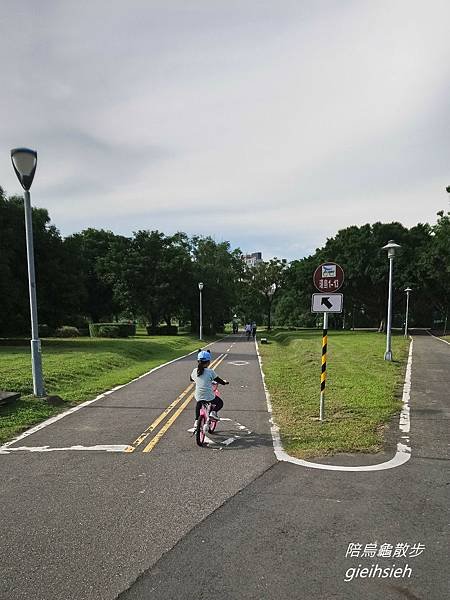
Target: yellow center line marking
(175, 416)
(144, 435)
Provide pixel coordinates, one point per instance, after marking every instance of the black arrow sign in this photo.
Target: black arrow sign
(327, 302)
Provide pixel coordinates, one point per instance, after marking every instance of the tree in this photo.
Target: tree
(433, 267)
(93, 246)
(265, 280)
(56, 282)
(220, 269)
(294, 302)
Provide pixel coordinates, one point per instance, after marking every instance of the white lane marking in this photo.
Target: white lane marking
(101, 447)
(242, 427)
(438, 338)
(238, 363)
(229, 441)
(402, 455)
(88, 402)
(207, 440)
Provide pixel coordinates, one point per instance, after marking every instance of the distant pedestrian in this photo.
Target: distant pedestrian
(253, 330)
(248, 330)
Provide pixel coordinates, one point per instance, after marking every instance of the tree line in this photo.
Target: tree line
(99, 276)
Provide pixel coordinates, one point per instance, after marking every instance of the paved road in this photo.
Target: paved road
(286, 535)
(98, 525)
(79, 524)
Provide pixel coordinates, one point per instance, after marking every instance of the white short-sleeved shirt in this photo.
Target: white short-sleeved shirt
(203, 385)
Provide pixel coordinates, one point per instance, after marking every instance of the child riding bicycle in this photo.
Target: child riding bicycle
(204, 378)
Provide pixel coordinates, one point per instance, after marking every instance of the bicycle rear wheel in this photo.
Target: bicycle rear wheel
(200, 433)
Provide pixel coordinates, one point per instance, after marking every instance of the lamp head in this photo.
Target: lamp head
(200, 286)
(24, 162)
(407, 290)
(391, 247)
(271, 290)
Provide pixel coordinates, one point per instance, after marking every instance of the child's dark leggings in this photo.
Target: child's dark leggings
(217, 404)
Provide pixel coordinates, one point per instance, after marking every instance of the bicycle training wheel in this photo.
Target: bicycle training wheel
(200, 433)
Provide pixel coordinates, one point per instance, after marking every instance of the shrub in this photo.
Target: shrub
(111, 330)
(44, 330)
(163, 330)
(66, 331)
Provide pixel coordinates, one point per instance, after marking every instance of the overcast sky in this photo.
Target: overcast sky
(271, 124)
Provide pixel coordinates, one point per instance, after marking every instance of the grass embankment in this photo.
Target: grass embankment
(78, 370)
(363, 390)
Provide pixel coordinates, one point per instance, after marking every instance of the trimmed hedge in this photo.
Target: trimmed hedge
(14, 342)
(66, 331)
(112, 330)
(163, 330)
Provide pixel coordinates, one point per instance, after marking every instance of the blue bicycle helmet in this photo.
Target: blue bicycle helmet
(204, 356)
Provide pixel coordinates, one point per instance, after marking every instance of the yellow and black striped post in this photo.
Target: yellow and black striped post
(323, 375)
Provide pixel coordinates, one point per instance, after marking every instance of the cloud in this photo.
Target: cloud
(273, 125)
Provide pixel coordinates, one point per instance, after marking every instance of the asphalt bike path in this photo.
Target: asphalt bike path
(93, 500)
(288, 534)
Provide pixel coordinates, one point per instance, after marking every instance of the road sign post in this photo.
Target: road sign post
(323, 375)
(328, 279)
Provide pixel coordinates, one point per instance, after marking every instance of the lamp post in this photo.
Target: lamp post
(391, 247)
(24, 162)
(408, 291)
(270, 292)
(200, 288)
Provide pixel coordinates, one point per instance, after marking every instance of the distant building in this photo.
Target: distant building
(251, 260)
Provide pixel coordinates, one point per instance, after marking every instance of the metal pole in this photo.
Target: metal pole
(36, 360)
(201, 317)
(407, 310)
(323, 376)
(388, 353)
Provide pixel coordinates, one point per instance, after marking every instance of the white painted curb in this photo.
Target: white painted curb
(88, 402)
(402, 455)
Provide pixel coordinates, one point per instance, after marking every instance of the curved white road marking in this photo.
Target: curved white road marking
(402, 455)
(438, 338)
(238, 363)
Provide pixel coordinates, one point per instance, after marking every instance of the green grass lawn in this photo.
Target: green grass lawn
(78, 369)
(363, 390)
(446, 338)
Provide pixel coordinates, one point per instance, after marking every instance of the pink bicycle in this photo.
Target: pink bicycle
(205, 423)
